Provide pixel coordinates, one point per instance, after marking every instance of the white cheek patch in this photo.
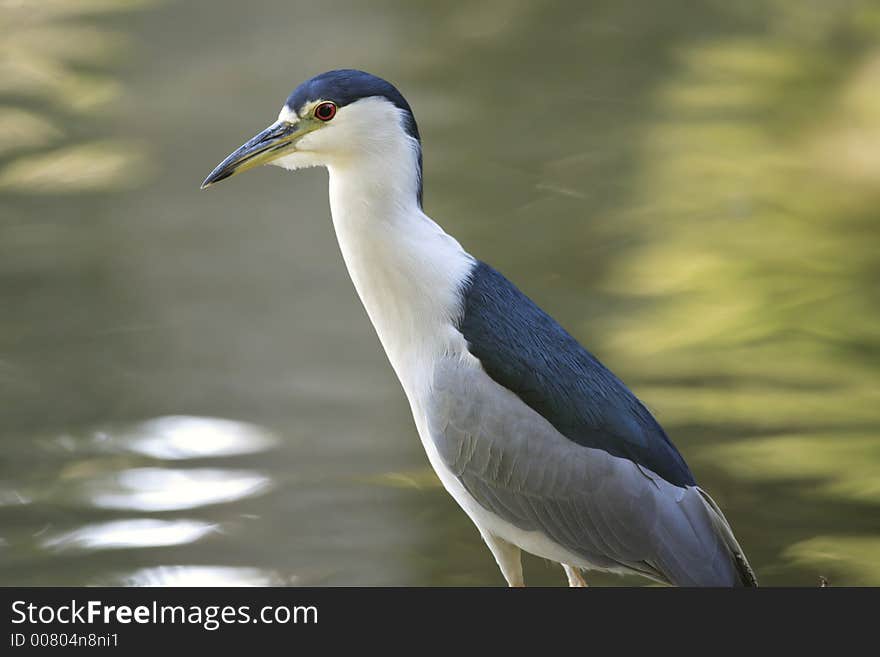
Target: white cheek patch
(297, 160)
(307, 141)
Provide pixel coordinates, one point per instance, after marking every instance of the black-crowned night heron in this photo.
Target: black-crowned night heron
(542, 446)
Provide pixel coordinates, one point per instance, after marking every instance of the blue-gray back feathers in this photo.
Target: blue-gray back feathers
(529, 353)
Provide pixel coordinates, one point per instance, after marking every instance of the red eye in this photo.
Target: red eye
(325, 111)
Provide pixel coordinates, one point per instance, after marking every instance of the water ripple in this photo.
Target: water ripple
(134, 533)
(179, 437)
(161, 489)
(201, 576)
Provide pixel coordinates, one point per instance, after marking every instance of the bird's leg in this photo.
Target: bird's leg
(575, 579)
(507, 556)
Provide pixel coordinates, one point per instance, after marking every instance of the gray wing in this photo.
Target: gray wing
(613, 513)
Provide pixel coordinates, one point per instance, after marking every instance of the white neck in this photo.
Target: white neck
(407, 271)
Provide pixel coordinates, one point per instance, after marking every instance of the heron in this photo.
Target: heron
(541, 445)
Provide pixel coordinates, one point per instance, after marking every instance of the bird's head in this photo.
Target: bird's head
(334, 118)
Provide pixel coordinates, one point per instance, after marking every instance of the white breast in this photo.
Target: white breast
(407, 271)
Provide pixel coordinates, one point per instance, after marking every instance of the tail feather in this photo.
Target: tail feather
(722, 527)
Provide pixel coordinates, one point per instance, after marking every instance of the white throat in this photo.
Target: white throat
(406, 270)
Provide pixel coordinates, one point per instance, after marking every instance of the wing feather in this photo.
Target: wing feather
(611, 512)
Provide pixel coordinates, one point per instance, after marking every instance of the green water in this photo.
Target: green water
(190, 391)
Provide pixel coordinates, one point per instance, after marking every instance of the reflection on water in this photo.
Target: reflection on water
(418, 479)
(84, 167)
(180, 437)
(853, 556)
(50, 60)
(841, 466)
(22, 129)
(158, 489)
(10, 497)
(694, 199)
(201, 576)
(135, 533)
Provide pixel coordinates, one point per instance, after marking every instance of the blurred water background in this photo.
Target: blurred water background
(190, 392)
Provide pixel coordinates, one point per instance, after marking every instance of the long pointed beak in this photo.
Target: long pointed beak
(263, 148)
